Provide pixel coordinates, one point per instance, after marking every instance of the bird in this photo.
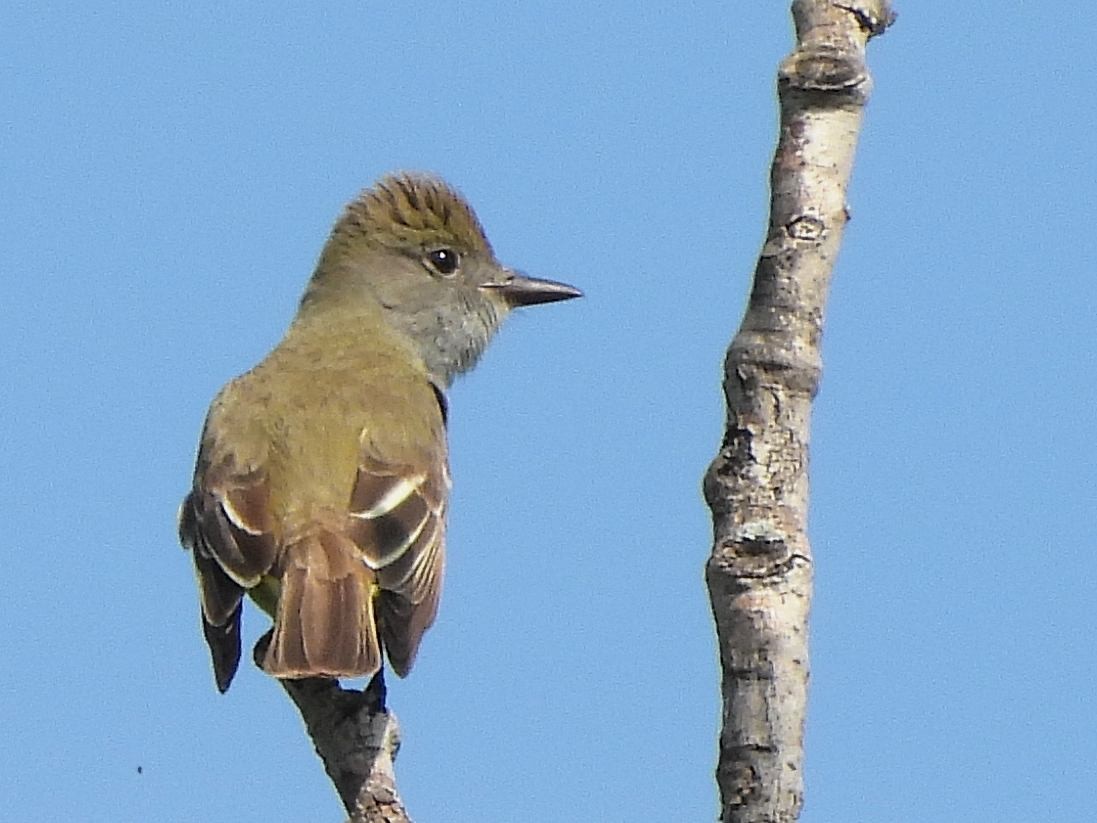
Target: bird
(321, 484)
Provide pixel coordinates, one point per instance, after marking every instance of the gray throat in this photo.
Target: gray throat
(450, 338)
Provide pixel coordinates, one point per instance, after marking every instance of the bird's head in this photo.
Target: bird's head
(414, 246)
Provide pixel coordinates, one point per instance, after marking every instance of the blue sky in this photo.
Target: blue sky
(169, 175)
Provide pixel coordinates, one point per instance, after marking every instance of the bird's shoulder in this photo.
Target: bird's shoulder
(376, 407)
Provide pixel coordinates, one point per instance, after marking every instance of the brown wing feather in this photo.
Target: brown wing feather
(219, 596)
(397, 520)
(226, 524)
(401, 621)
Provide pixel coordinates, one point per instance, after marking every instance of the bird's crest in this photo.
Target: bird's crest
(413, 209)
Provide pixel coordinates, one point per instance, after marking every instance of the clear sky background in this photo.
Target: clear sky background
(169, 173)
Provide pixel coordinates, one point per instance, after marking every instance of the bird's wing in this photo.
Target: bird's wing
(397, 519)
(226, 523)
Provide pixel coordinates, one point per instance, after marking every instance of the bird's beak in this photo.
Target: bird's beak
(519, 290)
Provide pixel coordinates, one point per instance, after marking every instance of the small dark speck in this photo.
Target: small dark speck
(140, 770)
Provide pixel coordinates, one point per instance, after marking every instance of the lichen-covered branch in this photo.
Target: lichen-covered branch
(760, 573)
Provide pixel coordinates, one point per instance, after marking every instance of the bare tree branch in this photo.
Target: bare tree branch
(760, 573)
(357, 739)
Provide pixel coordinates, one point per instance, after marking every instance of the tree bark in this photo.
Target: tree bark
(357, 739)
(759, 575)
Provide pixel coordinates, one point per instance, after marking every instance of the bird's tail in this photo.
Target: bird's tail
(324, 624)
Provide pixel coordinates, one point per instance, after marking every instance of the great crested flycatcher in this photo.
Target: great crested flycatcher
(321, 482)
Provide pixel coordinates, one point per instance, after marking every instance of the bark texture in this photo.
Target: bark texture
(760, 573)
(357, 739)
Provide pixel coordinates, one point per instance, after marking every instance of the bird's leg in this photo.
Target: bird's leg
(376, 692)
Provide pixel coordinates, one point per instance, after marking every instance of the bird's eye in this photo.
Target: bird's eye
(443, 261)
